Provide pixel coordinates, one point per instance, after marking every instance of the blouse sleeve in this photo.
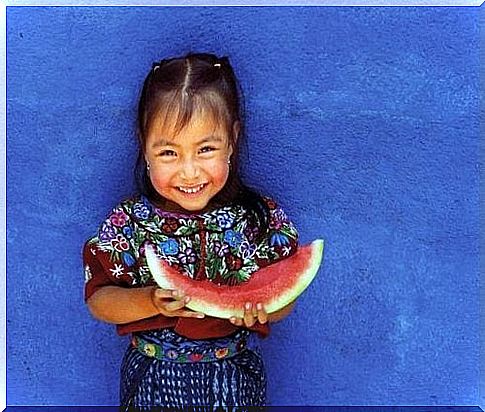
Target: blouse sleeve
(99, 270)
(109, 257)
(281, 240)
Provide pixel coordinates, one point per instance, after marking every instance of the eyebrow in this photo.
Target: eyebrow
(163, 142)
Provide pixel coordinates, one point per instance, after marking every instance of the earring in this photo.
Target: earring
(148, 167)
(229, 162)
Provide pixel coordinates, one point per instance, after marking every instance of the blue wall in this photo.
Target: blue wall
(362, 122)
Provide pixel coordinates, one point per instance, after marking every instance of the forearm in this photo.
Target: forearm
(282, 313)
(114, 304)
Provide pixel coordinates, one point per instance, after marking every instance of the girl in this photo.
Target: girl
(203, 220)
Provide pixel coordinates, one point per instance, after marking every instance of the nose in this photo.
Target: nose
(190, 170)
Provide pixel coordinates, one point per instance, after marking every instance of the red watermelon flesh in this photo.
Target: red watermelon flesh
(275, 286)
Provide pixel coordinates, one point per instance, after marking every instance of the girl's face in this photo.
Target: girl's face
(189, 169)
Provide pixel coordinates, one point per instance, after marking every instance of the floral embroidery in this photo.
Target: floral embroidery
(271, 204)
(87, 274)
(286, 250)
(149, 350)
(187, 256)
(169, 247)
(127, 232)
(247, 249)
(224, 220)
(221, 249)
(233, 238)
(143, 274)
(120, 244)
(221, 353)
(107, 232)
(279, 239)
(196, 357)
(128, 259)
(226, 237)
(141, 211)
(234, 262)
(118, 218)
(278, 218)
(251, 232)
(170, 225)
(117, 271)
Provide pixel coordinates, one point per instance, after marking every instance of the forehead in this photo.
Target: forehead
(202, 125)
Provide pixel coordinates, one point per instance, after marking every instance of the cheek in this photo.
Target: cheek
(160, 180)
(219, 171)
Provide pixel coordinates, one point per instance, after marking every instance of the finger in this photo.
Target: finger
(191, 314)
(255, 311)
(164, 293)
(262, 315)
(248, 314)
(236, 321)
(176, 305)
(178, 294)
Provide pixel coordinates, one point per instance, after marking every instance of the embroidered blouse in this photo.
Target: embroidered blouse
(220, 245)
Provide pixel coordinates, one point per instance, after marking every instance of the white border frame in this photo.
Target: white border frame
(245, 3)
(3, 150)
(3, 209)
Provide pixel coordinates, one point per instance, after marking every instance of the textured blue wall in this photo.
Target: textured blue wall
(362, 122)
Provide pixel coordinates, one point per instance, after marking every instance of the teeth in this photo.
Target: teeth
(191, 189)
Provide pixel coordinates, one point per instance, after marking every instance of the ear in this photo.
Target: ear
(236, 128)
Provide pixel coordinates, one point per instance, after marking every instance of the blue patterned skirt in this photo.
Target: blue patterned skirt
(163, 369)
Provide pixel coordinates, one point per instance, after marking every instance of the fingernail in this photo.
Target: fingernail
(232, 320)
(248, 305)
(187, 299)
(174, 293)
(201, 315)
(259, 306)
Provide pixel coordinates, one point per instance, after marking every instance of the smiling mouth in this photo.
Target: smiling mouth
(192, 189)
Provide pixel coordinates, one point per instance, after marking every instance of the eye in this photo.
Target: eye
(207, 149)
(167, 153)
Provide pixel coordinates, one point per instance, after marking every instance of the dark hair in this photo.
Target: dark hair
(184, 85)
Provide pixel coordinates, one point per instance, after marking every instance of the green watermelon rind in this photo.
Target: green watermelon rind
(213, 309)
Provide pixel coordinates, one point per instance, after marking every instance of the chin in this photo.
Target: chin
(192, 206)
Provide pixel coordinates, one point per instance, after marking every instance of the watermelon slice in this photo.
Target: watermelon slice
(275, 286)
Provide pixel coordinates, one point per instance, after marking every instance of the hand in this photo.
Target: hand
(252, 314)
(171, 303)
